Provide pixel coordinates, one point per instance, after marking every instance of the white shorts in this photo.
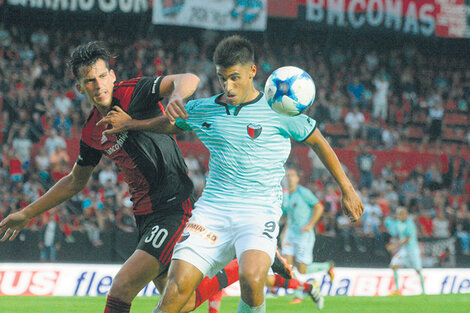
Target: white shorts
(300, 246)
(405, 258)
(212, 238)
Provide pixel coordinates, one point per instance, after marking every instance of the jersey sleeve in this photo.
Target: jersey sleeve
(299, 127)
(309, 197)
(186, 124)
(88, 156)
(146, 94)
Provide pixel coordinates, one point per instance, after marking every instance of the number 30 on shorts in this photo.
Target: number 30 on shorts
(157, 237)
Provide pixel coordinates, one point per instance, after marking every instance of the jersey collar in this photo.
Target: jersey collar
(240, 106)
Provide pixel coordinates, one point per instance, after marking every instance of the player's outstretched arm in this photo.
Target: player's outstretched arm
(350, 202)
(178, 87)
(121, 121)
(62, 191)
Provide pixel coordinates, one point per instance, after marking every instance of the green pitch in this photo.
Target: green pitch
(418, 304)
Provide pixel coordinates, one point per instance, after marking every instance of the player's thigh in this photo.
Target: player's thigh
(288, 248)
(206, 242)
(399, 259)
(255, 231)
(159, 233)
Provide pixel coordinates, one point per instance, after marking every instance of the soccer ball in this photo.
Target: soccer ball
(289, 90)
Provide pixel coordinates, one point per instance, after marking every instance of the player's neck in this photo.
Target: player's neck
(104, 110)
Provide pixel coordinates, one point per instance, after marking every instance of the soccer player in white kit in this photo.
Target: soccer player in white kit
(238, 212)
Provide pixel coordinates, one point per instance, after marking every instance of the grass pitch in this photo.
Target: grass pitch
(459, 303)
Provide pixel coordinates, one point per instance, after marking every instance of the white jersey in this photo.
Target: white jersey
(248, 146)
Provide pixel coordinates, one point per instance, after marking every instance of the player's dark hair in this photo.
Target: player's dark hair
(234, 50)
(87, 55)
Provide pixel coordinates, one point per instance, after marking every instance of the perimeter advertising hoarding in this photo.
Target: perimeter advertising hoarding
(17, 279)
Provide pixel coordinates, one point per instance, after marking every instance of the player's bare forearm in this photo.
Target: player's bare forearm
(350, 201)
(180, 85)
(62, 191)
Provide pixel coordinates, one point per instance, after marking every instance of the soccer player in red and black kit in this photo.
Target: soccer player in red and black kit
(152, 166)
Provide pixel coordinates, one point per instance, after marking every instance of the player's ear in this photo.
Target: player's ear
(113, 75)
(253, 70)
(79, 88)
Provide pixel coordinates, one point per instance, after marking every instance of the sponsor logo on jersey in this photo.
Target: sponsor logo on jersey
(202, 231)
(206, 125)
(254, 130)
(120, 141)
(104, 139)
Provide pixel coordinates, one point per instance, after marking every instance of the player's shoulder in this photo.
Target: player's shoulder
(127, 83)
(201, 103)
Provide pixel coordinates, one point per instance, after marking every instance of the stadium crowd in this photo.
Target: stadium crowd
(367, 99)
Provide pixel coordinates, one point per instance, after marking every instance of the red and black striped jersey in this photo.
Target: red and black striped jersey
(152, 164)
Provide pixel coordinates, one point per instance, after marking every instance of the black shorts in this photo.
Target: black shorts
(160, 231)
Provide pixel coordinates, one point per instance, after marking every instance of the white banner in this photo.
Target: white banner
(95, 280)
(212, 14)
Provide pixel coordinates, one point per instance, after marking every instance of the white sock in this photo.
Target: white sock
(245, 308)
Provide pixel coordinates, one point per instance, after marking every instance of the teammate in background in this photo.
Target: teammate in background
(303, 211)
(239, 209)
(408, 254)
(152, 166)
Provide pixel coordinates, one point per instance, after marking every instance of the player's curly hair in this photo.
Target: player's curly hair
(234, 50)
(87, 54)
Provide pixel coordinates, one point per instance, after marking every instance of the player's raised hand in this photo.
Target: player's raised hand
(12, 225)
(175, 109)
(352, 205)
(117, 118)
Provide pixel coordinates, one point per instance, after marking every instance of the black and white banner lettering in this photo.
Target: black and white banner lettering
(212, 14)
(107, 6)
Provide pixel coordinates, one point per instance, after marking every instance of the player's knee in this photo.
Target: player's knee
(122, 288)
(252, 279)
(177, 288)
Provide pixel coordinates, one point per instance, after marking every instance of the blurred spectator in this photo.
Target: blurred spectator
(355, 122)
(58, 157)
(356, 90)
(51, 237)
(365, 163)
(425, 223)
(22, 144)
(435, 117)
(107, 174)
(380, 105)
(441, 225)
(347, 233)
(54, 141)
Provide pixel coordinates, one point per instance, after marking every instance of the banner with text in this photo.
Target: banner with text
(453, 18)
(106, 6)
(30, 279)
(415, 17)
(212, 14)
